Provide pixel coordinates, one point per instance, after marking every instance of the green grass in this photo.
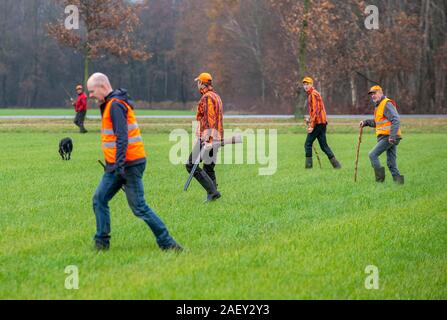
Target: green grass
(92, 111)
(295, 235)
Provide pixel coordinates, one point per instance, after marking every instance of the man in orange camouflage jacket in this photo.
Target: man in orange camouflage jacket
(210, 130)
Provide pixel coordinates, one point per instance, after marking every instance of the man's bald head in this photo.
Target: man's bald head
(99, 86)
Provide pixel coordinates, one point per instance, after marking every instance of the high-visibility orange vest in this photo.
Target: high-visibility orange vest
(383, 125)
(135, 148)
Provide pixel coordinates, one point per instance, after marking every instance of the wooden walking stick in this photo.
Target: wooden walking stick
(306, 123)
(357, 157)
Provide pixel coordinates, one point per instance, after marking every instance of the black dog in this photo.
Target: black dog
(65, 148)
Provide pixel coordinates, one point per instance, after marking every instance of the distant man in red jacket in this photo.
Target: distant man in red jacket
(80, 106)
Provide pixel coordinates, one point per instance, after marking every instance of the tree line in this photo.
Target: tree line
(257, 50)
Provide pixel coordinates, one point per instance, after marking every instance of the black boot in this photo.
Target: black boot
(210, 196)
(399, 179)
(309, 164)
(215, 182)
(175, 247)
(335, 163)
(208, 185)
(380, 174)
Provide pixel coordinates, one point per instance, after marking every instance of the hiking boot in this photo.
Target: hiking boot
(399, 179)
(380, 174)
(309, 164)
(335, 163)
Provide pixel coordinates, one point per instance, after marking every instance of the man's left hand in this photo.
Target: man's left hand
(310, 130)
(392, 141)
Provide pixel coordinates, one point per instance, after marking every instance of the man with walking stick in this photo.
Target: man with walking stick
(317, 125)
(387, 123)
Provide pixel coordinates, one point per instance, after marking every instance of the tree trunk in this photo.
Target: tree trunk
(353, 93)
(300, 109)
(263, 89)
(86, 74)
(166, 79)
(303, 41)
(4, 96)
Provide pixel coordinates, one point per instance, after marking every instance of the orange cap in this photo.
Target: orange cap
(375, 89)
(204, 77)
(308, 80)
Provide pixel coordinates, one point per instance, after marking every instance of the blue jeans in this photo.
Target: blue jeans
(108, 187)
(391, 155)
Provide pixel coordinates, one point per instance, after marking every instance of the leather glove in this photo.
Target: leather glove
(121, 175)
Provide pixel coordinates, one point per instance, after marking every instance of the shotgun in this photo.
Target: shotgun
(233, 140)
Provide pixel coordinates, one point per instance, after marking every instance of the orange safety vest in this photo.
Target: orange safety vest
(383, 125)
(135, 148)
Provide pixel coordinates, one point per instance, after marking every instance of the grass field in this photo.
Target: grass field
(294, 235)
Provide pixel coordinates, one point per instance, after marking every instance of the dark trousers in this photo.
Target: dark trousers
(209, 161)
(109, 186)
(320, 134)
(79, 119)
